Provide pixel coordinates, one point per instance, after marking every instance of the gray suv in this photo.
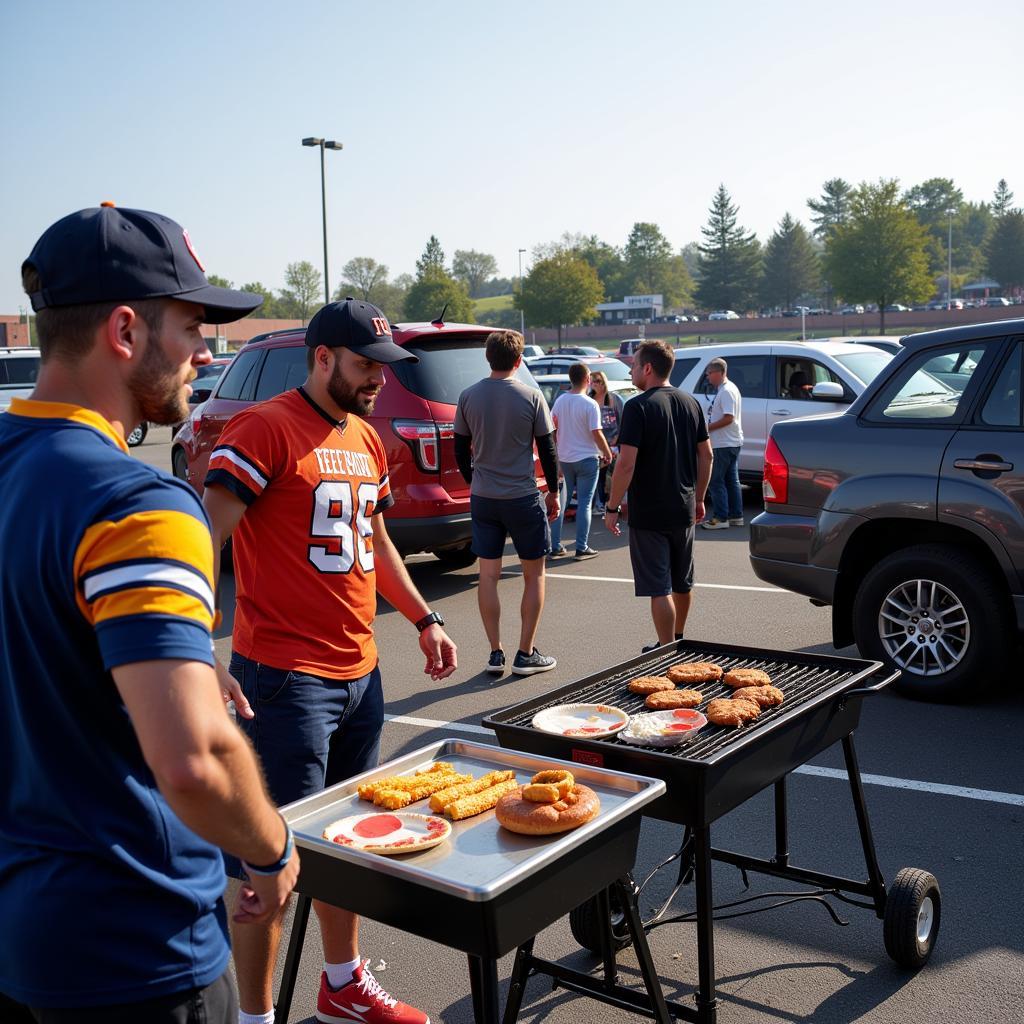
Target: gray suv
(906, 513)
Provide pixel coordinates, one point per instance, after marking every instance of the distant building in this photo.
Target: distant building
(982, 289)
(634, 309)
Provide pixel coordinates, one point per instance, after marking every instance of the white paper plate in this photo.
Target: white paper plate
(389, 832)
(584, 721)
(664, 721)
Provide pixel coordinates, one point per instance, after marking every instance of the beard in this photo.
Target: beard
(348, 398)
(156, 388)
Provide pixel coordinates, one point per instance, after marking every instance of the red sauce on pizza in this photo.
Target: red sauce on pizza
(377, 826)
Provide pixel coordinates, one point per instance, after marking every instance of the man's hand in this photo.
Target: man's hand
(440, 651)
(698, 512)
(231, 691)
(551, 504)
(263, 896)
(611, 520)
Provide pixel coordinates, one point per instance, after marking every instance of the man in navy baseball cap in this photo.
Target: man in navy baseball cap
(359, 326)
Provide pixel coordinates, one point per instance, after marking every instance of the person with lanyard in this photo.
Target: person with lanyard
(124, 770)
(299, 483)
(726, 430)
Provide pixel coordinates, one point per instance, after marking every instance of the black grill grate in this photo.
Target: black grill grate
(802, 678)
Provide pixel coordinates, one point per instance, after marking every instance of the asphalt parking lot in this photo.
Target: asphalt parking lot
(943, 785)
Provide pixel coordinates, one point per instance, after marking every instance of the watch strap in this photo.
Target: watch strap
(281, 863)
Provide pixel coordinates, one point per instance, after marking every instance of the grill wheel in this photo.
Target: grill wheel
(585, 922)
(913, 910)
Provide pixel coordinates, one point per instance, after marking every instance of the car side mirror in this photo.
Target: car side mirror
(829, 391)
(199, 395)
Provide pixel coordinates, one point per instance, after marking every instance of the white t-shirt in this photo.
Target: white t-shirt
(727, 402)
(576, 417)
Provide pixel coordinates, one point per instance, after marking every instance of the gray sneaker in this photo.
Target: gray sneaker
(532, 663)
(496, 663)
(737, 522)
(586, 553)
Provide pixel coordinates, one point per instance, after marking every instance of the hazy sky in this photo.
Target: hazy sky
(493, 126)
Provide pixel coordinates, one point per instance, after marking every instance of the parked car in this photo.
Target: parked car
(886, 343)
(613, 369)
(627, 350)
(19, 368)
(414, 417)
(553, 384)
(906, 515)
(724, 314)
(532, 351)
(846, 310)
(573, 350)
(897, 307)
(997, 301)
(780, 380)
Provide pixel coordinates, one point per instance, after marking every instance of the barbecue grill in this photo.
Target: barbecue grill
(706, 777)
(484, 891)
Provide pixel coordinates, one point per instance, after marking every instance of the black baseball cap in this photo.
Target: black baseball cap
(357, 325)
(106, 254)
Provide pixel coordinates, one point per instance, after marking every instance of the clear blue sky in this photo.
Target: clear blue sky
(493, 126)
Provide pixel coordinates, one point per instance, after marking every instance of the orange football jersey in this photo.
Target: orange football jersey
(303, 552)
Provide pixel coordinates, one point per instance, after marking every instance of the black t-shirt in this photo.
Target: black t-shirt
(665, 426)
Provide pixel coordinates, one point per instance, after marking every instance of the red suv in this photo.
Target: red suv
(413, 415)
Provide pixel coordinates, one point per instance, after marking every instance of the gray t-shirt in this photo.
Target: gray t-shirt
(502, 416)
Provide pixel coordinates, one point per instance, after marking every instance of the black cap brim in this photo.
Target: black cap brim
(384, 352)
(223, 305)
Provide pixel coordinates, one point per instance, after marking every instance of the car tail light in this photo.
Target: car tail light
(776, 474)
(424, 437)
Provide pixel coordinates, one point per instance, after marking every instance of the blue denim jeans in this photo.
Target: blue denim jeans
(582, 477)
(724, 488)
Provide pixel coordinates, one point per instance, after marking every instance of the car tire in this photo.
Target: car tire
(456, 558)
(952, 584)
(179, 464)
(138, 435)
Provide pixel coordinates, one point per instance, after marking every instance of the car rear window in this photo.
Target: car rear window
(446, 368)
(748, 373)
(234, 385)
(19, 370)
(929, 387)
(1004, 406)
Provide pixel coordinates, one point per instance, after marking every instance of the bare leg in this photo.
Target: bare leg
(664, 615)
(487, 598)
(340, 931)
(682, 603)
(254, 947)
(532, 604)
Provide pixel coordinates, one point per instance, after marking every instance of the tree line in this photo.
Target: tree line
(872, 242)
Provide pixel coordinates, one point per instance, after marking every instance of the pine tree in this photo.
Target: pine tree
(729, 261)
(832, 208)
(431, 260)
(1005, 251)
(1002, 199)
(790, 265)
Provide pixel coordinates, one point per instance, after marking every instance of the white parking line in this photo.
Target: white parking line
(938, 788)
(629, 579)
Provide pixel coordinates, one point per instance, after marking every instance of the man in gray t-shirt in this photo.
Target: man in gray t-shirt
(497, 423)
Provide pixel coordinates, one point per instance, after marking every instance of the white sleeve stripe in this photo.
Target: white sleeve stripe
(243, 464)
(148, 574)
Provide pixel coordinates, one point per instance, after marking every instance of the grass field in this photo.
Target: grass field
(492, 304)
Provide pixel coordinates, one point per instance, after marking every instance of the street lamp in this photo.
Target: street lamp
(949, 263)
(522, 315)
(324, 144)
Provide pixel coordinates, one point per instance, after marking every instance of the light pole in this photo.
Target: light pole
(949, 263)
(522, 315)
(324, 144)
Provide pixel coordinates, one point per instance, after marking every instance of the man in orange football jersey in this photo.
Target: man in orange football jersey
(300, 482)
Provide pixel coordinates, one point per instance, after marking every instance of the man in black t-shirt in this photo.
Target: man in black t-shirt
(664, 464)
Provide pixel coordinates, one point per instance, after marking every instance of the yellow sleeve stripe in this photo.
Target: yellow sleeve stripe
(150, 601)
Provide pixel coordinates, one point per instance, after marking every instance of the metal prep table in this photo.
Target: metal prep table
(710, 775)
(485, 891)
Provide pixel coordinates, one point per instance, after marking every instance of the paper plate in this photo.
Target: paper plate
(389, 832)
(585, 721)
(663, 728)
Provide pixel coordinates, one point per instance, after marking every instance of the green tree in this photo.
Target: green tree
(651, 268)
(832, 208)
(431, 292)
(473, 268)
(360, 277)
(269, 308)
(561, 289)
(790, 265)
(219, 282)
(432, 258)
(971, 229)
(934, 202)
(303, 287)
(730, 259)
(1002, 199)
(1005, 252)
(607, 261)
(880, 253)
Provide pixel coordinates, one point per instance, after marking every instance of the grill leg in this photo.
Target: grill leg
(291, 962)
(483, 982)
(706, 999)
(643, 953)
(517, 985)
(866, 839)
(611, 972)
(781, 825)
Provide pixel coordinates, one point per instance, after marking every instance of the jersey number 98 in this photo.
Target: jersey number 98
(336, 515)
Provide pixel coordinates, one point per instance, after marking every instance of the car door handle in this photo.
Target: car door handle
(984, 464)
(781, 412)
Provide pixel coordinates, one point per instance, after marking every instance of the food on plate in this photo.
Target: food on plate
(724, 711)
(695, 672)
(368, 790)
(518, 814)
(388, 833)
(477, 803)
(664, 728)
(739, 677)
(650, 684)
(762, 696)
(663, 700)
(440, 800)
(590, 721)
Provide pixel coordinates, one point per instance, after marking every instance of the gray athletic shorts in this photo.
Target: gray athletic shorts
(662, 561)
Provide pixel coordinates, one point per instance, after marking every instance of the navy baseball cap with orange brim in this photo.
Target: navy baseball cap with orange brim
(107, 254)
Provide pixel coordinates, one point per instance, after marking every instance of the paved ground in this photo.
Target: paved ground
(792, 964)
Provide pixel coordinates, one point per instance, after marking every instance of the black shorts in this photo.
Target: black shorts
(662, 561)
(523, 519)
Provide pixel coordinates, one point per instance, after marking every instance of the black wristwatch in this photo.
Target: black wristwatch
(614, 511)
(429, 620)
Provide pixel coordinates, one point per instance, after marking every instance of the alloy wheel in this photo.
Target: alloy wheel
(924, 627)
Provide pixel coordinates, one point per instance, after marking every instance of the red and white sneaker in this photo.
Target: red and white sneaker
(363, 1001)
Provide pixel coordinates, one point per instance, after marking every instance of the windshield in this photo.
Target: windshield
(611, 368)
(865, 366)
